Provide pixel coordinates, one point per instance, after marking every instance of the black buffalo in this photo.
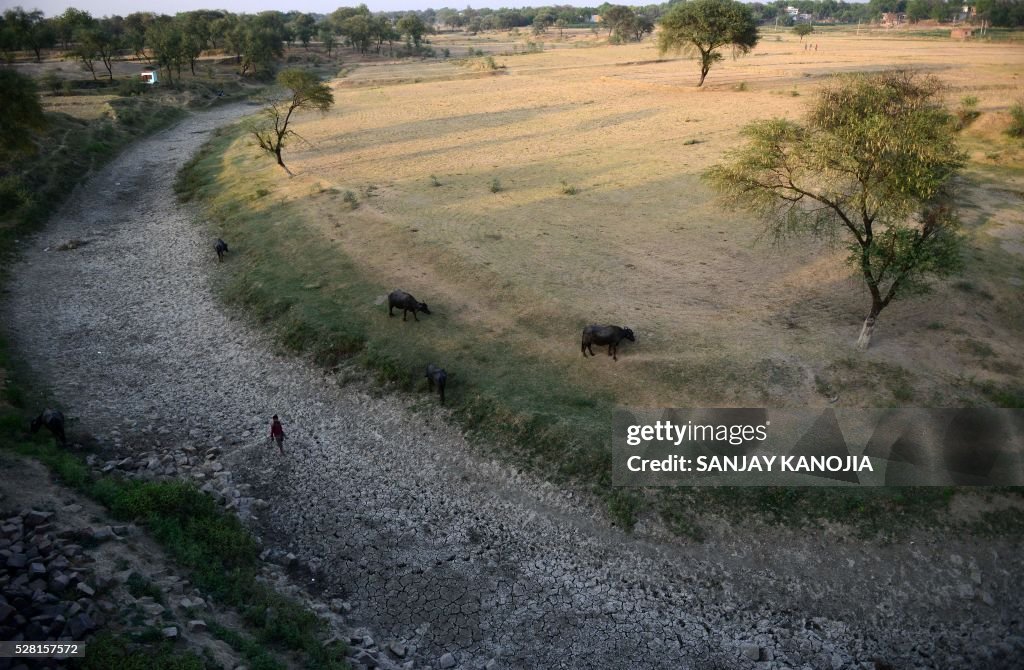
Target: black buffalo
(602, 335)
(54, 422)
(221, 247)
(437, 377)
(406, 303)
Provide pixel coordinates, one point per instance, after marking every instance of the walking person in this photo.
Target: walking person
(277, 433)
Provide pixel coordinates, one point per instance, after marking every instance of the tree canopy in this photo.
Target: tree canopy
(703, 27)
(873, 164)
(803, 29)
(20, 112)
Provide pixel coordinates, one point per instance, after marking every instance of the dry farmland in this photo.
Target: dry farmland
(515, 271)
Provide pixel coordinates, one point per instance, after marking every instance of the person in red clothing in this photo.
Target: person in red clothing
(277, 433)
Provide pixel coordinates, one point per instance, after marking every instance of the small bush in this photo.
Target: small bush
(569, 189)
(52, 82)
(350, 199)
(623, 506)
(434, 181)
(967, 112)
(1016, 128)
(690, 141)
(742, 86)
(140, 587)
(495, 185)
(130, 87)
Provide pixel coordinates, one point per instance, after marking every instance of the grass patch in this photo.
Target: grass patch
(1016, 128)
(141, 587)
(568, 189)
(1010, 396)
(106, 651)
(253, 652)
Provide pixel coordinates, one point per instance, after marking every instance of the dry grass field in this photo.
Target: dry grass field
(721, 316)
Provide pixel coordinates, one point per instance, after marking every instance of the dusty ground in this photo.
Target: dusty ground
(643, 243)
(432, 545)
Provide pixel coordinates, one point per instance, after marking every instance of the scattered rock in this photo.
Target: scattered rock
(751, 651)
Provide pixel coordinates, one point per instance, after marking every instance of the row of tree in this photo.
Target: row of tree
(257, 39)
(174, 43)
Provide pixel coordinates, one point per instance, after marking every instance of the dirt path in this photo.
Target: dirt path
(433, 547)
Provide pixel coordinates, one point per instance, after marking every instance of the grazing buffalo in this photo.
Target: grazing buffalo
(222, 248)
(406, 303)
(437, 377)
(54, 422)
(601, 335)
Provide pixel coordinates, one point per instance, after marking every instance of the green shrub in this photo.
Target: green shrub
(52, 82)
(106, 651)
(141, 587)
(569, 189)
(1016, 128)
(350, 199)
(495, 185)
(130, 87)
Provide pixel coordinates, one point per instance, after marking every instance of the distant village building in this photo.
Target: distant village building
(595, 18)
(893, 19)
(792, 11)
(962, 33)
(149, 76)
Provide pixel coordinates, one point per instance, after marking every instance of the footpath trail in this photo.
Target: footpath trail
(457, 558)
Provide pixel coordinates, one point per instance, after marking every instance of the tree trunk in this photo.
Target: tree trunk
(864, 341)
(281, 162)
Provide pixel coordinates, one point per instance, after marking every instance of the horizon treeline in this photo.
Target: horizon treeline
(256, 40)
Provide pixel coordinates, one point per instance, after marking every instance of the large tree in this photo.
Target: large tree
(97, 42)
(20, 112)
(299, 89)
(873, 165)
(413, 28)
(703, 27)
(30, 30)
(167, 40)
(304, 27)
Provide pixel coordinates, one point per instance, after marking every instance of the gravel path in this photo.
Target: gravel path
(432, 546)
